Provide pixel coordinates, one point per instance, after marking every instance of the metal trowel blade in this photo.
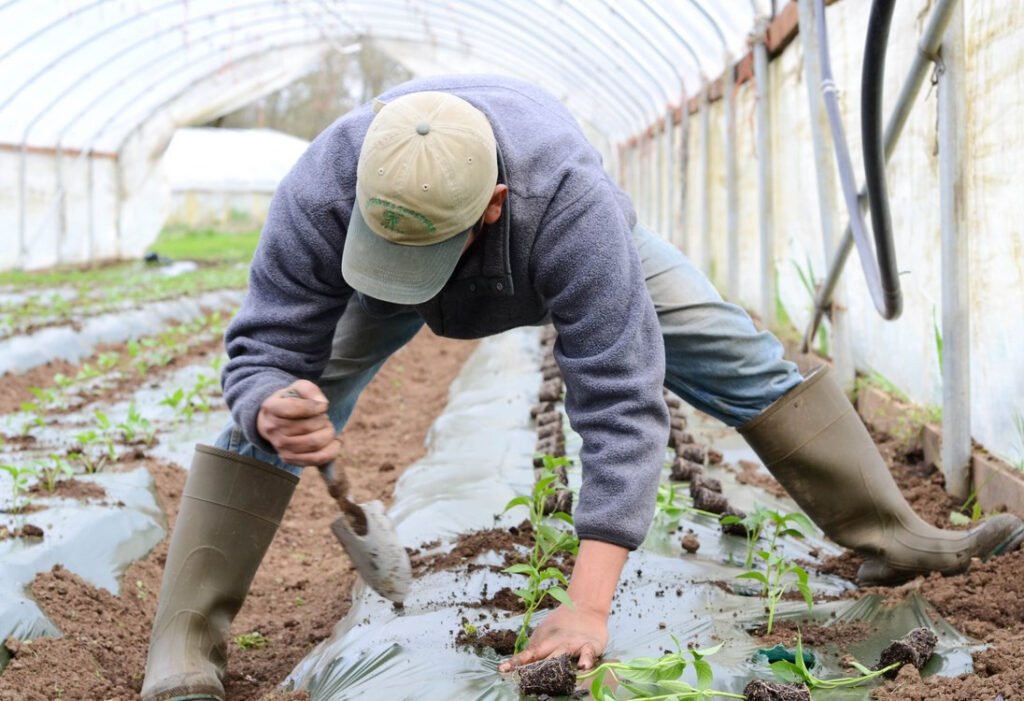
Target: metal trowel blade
(378, 556)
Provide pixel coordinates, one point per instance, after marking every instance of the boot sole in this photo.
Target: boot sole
(1010, 544)
(891, 576)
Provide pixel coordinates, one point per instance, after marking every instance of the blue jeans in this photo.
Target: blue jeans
(715, 359)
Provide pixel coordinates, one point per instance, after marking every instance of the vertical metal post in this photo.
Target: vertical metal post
(842, 352)
(682, 237)
(705, 182)
(669, 176)
(657, 164)
(732, 214)
(956, 318)
(22, 205)
(765, 211)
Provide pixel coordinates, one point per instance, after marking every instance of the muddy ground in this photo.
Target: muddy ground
(303, 587)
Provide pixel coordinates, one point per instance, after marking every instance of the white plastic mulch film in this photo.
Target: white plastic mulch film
(92, 90)
(479, 456)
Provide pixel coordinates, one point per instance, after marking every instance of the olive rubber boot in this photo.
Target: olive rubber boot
(230, 510)
(815, 445)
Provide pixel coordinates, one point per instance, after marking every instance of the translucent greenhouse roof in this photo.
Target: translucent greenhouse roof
(84, 75)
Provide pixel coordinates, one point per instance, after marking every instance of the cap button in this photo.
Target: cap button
(423, 128)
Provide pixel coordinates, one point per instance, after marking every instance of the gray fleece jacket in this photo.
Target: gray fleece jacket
(563, 251)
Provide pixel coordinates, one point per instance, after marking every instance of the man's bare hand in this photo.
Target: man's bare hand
(578, 632)
(294, 420)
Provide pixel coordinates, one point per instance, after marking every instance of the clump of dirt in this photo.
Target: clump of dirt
(29, 530)
(839, 634)
(915, 648)
(502, 641)
(751, 474)
(690, 543)
(763, 690)
(555, 676)
(845, 565)
(469, 545)
(71, 489)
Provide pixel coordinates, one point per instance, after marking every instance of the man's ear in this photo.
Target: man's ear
(493, 211)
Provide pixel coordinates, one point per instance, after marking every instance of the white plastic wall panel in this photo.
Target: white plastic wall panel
(993, 176)
(903, 351)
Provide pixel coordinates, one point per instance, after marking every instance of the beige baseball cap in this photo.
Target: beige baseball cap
(427, 170)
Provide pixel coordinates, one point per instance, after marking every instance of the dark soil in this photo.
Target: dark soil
(762, 690)
(555, 677)
(502, 641)
(813, 635)
(71, 489)
(14, 389)
(915, 648)
(301, 590)
(753, 474)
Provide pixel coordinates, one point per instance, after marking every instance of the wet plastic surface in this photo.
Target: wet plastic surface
(21, 353)
(480, 452)
(96, 540)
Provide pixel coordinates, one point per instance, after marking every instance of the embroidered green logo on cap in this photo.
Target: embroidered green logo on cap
(392, 214)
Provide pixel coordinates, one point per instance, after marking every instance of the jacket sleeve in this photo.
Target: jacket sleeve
(296, 295)
(612, 357)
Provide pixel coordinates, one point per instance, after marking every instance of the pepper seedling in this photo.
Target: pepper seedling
(797, 672)
(658, 678)
(543, 580)
(779, 574)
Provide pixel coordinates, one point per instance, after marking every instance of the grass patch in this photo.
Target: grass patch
(206, 245)
(89, 290)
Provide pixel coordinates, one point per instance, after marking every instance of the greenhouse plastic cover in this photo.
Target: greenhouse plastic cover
(250, 160)
(84, 74)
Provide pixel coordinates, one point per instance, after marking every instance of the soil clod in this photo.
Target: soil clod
(763, 690)
(684, 470)
(555, 677)
(712, 502)
(734, 528)
(690, 543)
(701, 482)
(915, 648)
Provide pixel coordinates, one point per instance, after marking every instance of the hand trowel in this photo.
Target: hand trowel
(368, 537)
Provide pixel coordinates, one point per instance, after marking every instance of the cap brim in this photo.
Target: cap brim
(394, 273)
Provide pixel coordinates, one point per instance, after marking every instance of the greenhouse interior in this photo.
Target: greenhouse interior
(644, 349)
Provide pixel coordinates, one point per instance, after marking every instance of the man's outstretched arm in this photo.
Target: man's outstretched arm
(582, 630)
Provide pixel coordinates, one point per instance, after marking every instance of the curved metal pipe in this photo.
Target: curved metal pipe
(882, 281)
(927, 49)
(873, 78)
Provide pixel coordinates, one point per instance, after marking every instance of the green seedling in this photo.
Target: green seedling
(668, 510)
(807, 279)
(105, 434)
(87, 372)
(20, 479)
(968, 513)
(779, 574)
(34, 419)
(62, 380)
(797, 672)
(658, 678)
(251, 641)
(50, 473)
(135, 426)
(87, 439)
(107, 361)
(543, 580)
